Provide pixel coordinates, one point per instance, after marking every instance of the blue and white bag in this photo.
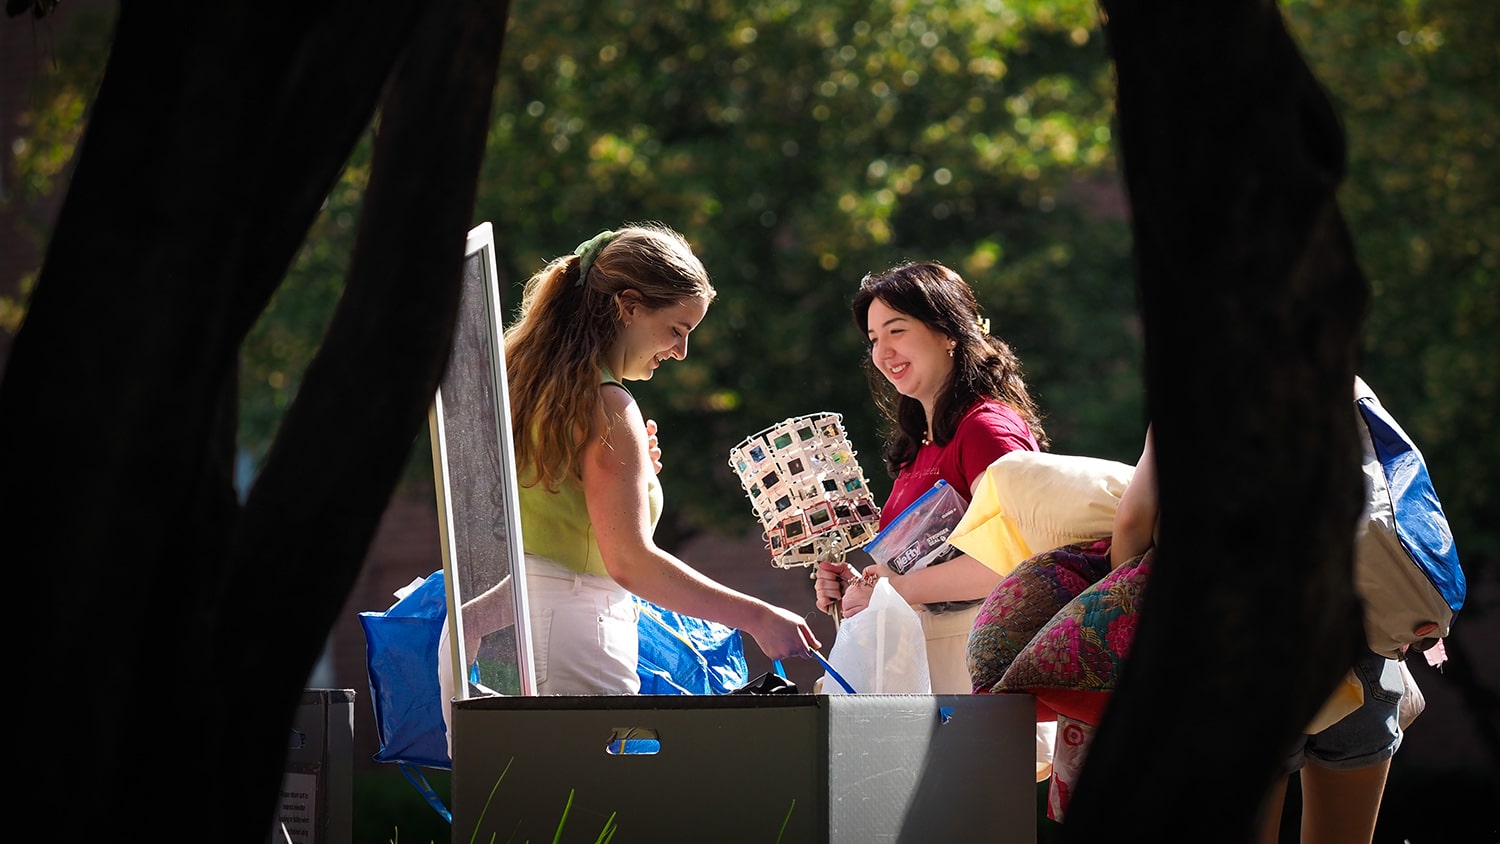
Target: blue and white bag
(682, 655)
(1406, 566)
(401, 657)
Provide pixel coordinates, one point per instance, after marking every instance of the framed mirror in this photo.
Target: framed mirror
(479, 514)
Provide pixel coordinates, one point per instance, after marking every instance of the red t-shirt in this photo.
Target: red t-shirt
(987, 431)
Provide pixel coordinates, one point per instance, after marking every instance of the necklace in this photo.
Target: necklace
(926, 438)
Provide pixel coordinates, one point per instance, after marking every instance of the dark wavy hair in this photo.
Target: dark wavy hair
(984, 367)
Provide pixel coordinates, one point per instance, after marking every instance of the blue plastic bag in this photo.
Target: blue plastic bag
(682, 655)
(401, 658)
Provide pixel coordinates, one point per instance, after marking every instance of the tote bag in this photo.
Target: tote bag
(1406, 567)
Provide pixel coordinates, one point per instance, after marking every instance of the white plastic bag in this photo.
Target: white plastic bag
(881, 649)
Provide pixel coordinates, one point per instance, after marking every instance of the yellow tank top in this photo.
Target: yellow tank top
(556, 525)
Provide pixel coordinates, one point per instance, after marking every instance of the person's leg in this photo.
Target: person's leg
(1270, 823)
(1340, 807)
(1346, 764)
(1412, 699)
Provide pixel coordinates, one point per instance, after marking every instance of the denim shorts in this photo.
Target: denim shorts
(1367, 736)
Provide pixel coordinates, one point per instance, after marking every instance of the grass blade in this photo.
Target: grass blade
(557, 837)
(786, 820)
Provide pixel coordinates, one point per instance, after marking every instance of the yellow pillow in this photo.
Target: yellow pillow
(1027, 502)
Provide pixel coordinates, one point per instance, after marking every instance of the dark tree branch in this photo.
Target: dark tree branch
(1252, 300)
(320, 496)
(182, 628)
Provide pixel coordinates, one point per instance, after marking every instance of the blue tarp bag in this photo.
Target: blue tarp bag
(401, 658)
(682, 655)
(679, 655)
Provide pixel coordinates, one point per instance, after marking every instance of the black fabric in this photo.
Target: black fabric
(769, 683)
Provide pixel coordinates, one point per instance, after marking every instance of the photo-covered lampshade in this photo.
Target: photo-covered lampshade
(807, 488)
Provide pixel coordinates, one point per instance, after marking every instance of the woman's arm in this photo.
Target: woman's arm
(1135, 517)
(962, 578)
(616, 466)
(983, 437)
(493, 609)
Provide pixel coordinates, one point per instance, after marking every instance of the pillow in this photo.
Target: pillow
(1024, 602)
(1073, 662)
(1347, 696)
(1029, 501)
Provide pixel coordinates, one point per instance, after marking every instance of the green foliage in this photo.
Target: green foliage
(1415, 85)
(800, 145)
(288, 334)
(49, 129)
(51, 125)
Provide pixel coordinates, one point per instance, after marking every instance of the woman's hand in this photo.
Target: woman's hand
(828, 582)
(652, 447)
(782, 634)
(845, 585)
(858, 593)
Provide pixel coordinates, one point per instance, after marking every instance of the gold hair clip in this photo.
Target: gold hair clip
(984, 326)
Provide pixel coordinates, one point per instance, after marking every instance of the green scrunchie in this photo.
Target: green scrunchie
(587, 251)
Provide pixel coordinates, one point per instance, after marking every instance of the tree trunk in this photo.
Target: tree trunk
(1252, 301)
(182, 625)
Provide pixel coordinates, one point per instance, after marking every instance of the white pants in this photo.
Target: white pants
(947, 636)
(947, 662)
(584, 639)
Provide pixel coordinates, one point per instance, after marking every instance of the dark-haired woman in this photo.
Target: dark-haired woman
(954, 401)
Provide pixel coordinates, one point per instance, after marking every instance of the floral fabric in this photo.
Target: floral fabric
(1073, 662)
(1060, 628)
(1023, 604)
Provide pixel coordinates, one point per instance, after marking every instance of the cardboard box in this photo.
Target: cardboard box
(317, 793)
(751, 768)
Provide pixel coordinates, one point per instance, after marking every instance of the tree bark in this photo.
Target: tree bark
(1252, 301)
(182, 625)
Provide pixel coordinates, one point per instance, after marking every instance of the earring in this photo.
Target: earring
(950, 351)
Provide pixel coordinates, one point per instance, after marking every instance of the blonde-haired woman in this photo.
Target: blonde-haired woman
(617, 308)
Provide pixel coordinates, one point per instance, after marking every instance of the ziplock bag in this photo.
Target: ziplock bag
(919, 536)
